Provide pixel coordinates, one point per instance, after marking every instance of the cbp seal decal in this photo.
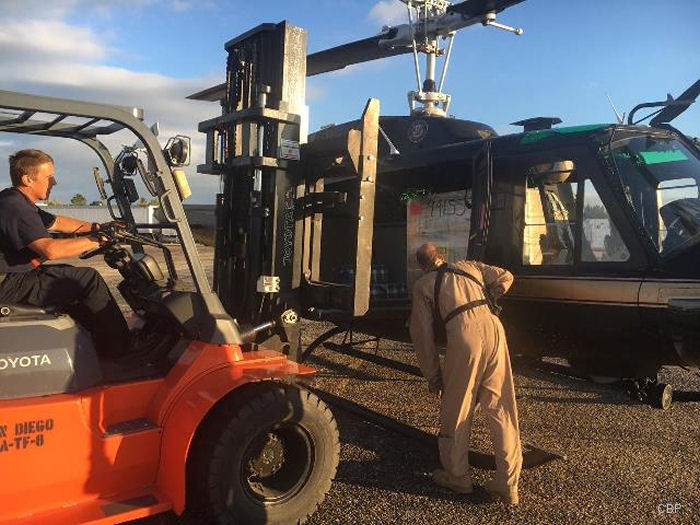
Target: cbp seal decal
(417, 131)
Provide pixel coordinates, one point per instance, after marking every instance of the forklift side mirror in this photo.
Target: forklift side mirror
(177, 150)
(129, 164)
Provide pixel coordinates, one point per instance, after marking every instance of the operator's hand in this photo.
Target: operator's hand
(115, 225)
(100, 238)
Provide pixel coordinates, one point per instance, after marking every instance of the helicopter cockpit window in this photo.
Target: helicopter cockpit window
(660, 176)
(550, 214)
(601, 239)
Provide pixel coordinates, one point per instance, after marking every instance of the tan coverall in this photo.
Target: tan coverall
(476, 369)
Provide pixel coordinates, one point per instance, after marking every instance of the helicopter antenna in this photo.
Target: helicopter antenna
(620, 118)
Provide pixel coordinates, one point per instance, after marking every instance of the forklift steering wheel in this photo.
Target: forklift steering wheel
(110, 241)
(97, 251)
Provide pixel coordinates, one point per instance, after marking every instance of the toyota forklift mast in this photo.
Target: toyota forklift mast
(270, 212)
(264, 98)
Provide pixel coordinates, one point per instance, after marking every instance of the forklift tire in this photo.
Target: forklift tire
(269, 458)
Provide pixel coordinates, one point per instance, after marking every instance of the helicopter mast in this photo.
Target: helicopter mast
(434, 101)
(428, 22)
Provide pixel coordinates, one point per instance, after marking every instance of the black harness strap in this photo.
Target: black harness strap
(463, 308)
(438, 284)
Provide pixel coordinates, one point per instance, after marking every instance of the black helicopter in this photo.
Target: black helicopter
(599, 223)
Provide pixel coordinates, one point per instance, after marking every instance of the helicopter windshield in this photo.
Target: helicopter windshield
(660, 176)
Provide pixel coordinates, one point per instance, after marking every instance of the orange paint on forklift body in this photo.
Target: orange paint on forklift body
(118, 452)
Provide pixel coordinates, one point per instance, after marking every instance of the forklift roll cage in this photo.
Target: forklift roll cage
(33, 108)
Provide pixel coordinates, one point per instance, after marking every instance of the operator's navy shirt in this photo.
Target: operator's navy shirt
(21, 223)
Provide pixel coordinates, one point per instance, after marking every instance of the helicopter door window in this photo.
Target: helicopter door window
(601, 238)
(550, 215)
(670, 194)
(660, 176)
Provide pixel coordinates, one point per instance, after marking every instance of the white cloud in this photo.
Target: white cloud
(388, 12)
(50, 9)
(48, 39)
(49, 56)
(53, 9)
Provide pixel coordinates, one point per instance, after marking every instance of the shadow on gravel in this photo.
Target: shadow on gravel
(685, 396)
(603, 400)
(346, 371)
(401, 465)
(567, 378)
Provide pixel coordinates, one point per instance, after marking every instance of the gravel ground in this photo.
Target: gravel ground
(623, 459)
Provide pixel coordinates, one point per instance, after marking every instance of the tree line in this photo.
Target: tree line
(80, 200)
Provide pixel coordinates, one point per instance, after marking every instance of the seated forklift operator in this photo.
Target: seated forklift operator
(25, 242)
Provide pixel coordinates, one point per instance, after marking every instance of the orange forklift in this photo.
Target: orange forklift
(207, 419)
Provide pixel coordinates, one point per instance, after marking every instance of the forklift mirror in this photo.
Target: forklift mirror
(155, 129)
(129, 164)
(99, 183)
(177, 150)
(552, 172)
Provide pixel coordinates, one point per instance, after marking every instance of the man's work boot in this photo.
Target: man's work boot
(509, 496)
(462, 485)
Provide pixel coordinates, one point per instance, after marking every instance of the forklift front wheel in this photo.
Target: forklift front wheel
(270, 460)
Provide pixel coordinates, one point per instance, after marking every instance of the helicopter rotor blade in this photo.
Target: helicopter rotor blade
(398, 40)
(356, 52)
(478, 8)
(678, 106)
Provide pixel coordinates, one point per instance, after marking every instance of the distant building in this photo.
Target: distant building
(142, 214)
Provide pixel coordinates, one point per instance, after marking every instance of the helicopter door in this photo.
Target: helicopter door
(555, 224)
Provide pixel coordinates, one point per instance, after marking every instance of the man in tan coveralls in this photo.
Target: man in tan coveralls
(476, 370)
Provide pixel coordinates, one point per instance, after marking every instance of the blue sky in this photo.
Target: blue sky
(151, 53)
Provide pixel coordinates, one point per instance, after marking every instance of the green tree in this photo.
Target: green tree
(595, 211)
(143, 202)
(97, 203)
(78, 200)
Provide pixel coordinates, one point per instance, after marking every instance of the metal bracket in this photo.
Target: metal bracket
(318, 202)
(490, 20)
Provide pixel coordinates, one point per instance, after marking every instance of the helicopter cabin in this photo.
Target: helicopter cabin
(555, 212)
